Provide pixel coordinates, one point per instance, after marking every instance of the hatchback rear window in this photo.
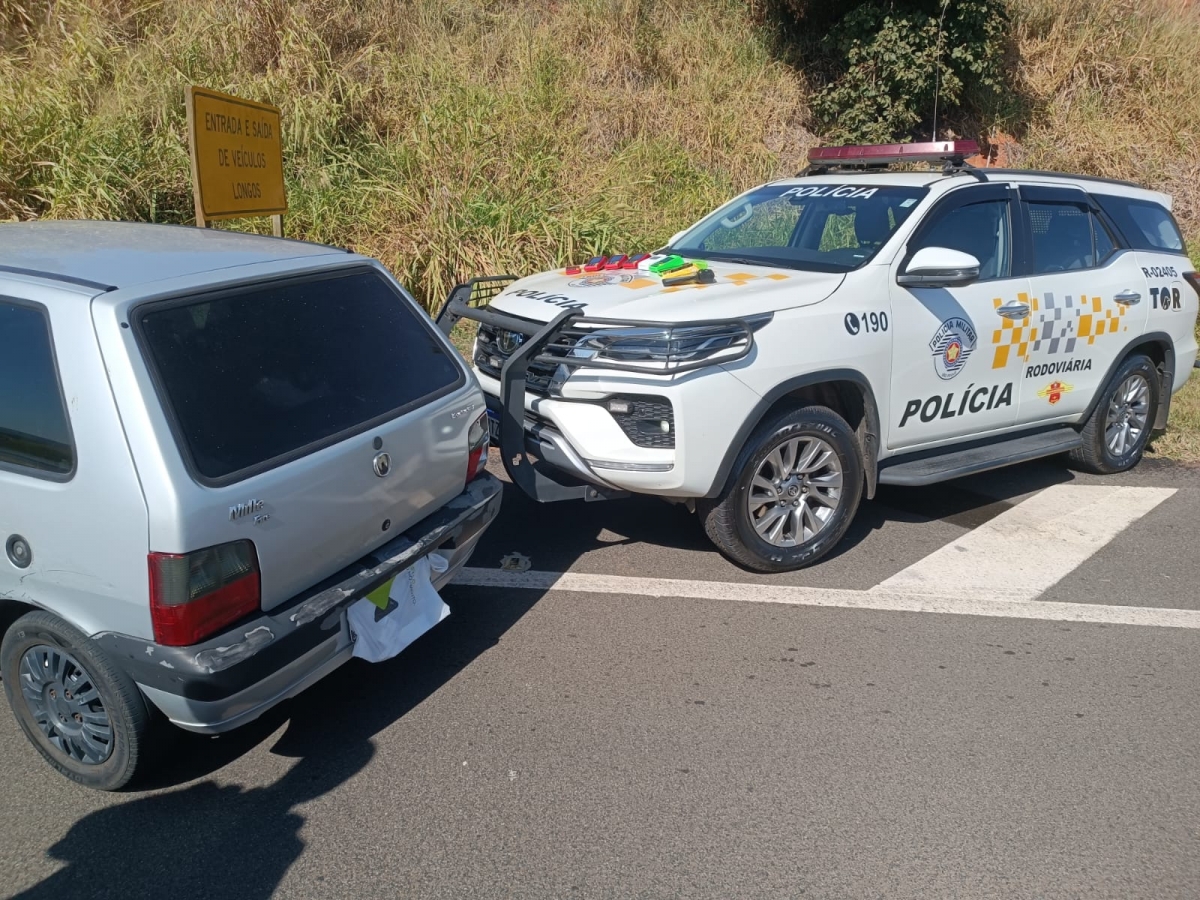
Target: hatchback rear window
(254, 377)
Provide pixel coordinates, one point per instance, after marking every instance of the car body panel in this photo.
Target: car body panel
(313, 514)
(829, 330)
(131, 491)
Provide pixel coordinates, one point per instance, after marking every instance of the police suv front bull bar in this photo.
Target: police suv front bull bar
(561, 334)
(469, 301)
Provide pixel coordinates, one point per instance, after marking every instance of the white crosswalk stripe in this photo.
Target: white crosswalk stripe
(997, 569)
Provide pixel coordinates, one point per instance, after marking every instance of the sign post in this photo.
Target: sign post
(237, 158)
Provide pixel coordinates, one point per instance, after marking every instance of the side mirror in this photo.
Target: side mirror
(939, 267)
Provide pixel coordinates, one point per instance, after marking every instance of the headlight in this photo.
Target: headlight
(669, 348)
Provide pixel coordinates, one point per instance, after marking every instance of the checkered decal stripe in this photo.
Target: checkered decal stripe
(1057, 323)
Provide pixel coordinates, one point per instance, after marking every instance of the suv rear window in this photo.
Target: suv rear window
(253, 377)
(1146, 225)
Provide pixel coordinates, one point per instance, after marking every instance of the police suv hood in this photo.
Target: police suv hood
(738, 290)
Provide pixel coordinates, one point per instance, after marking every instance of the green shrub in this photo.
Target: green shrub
(878, 65)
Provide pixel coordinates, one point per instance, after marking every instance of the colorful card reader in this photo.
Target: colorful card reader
(670, 264)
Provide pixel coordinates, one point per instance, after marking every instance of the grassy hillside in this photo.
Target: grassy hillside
(1111, 87)
(458, 137)
(448, 137)
(452, 137)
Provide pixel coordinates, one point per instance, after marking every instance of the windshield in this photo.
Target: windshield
(825, 227)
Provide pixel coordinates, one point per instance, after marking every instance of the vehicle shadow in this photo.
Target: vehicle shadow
(558, 535)
(960, 502)
(216, 840)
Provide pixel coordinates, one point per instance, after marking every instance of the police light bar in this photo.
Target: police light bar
(888, 154)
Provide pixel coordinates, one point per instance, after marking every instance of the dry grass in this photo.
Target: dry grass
(447, 137)
(460, 137)
(1114, 90)
(1182, 440)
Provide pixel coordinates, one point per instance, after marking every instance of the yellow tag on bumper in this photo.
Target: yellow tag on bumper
(379, 596)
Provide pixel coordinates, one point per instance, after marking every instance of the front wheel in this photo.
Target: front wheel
(793, 492)
(1118, 430)
(81, 712)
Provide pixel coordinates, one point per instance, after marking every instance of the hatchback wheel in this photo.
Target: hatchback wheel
(82, 713)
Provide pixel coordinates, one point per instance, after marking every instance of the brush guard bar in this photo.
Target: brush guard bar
(574, 341)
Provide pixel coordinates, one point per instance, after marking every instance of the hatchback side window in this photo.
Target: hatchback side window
(980, 229)
(1066, 237)
(35, 436)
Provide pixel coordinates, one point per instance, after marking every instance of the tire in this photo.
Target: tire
(734, 519)
(1108, 446)
(42, 656)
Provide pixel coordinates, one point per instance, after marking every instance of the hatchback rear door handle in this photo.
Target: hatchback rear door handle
(1128, 297)
(1014, 310)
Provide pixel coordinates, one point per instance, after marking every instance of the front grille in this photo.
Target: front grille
(643, 424)
(495, 345)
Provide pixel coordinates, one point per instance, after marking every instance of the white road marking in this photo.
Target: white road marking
(576, 582)
(1025, 550)
(998, 569)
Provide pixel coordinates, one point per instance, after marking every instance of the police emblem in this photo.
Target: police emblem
(952, 345)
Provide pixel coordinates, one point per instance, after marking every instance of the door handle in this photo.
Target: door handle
(1014, 310)
(1127, 298)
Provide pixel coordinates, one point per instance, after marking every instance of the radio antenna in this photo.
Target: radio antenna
(937, 69)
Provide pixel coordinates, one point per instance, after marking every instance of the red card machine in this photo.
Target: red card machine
(615, 262)
(595, 264)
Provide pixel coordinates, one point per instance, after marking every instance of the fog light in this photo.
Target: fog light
(620, 407)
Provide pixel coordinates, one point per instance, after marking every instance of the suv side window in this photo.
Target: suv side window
(35, 436)
(1145, 224)
(1066, 237)
(982, 229)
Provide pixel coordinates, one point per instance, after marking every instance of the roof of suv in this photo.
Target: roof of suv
(929, 177)
(107, 255)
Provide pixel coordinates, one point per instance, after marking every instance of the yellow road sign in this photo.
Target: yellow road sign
(237, 156)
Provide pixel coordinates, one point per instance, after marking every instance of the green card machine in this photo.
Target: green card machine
(670, 264)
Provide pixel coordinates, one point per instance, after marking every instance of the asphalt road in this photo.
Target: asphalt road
(571, 744)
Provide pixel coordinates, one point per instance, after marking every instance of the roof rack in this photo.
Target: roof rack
(1052, 174)
(55, 276)
(872, 157)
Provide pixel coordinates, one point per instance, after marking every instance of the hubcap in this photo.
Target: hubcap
(65, 704)
(795, 491)
(1128, 413)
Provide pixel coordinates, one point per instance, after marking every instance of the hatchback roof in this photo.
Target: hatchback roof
(107, 255)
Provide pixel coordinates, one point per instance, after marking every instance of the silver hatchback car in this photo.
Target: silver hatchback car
(211, 445)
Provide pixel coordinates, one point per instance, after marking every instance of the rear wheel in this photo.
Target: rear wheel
(793, 492)
(81, 712)
(1118, 430)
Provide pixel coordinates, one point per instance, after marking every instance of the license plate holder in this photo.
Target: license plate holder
(493, 428)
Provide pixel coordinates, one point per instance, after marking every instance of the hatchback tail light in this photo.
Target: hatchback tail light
(195, 595)
(478, 441)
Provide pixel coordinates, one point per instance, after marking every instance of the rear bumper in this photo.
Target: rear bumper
(237, 676)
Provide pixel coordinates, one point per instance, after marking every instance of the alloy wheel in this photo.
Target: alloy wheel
(795, 491)
(1128, 414)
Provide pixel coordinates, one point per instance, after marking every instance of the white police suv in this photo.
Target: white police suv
(856, 325)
